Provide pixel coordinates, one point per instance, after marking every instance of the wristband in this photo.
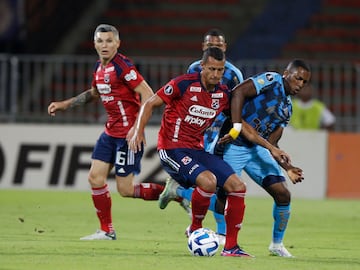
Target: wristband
(234, 133)
(237, 126)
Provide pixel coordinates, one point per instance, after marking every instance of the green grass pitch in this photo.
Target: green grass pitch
(41, 230)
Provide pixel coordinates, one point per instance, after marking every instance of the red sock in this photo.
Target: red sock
(234, 214)
(148, 191)
(200, 202)
(102, 202)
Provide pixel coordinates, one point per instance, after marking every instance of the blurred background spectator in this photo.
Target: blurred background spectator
(310, 113)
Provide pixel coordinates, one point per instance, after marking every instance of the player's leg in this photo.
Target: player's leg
(266, 172)
(200, 200)
(174, 191)
(281, 215)
(235, 202)
(127, 165)
(186, 167)
(234, 214)
(146, 191)
(217, 205)
(102, 201)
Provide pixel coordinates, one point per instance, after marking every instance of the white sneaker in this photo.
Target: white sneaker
(279, 250)
(222, 238)
(100, 235)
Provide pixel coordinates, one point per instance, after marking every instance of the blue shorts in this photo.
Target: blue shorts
(256, 161)
(115, 151)
(184, 165)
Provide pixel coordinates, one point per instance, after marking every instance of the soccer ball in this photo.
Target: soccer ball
(203, 242)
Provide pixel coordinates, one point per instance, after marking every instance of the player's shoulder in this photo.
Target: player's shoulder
(187, 77)
(266, 78)
(194, 67)
(122, 61)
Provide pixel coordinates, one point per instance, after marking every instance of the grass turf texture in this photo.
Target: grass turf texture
(41, 230)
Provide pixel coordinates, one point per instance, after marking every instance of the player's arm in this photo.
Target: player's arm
(240, 92)
(295, 174)
(144, 90)
(81, 99)
(251, 134)
(143, 118)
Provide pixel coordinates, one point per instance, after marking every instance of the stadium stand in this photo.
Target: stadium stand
(274, 27)
(174, 28)
(45, 26)
(333, 33)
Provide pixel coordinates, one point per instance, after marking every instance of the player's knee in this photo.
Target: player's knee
(234, 184)
(96, 182)
(207, 181)
(283, 197)
(125, 190)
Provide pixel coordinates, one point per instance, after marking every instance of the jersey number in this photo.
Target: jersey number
(121, 158)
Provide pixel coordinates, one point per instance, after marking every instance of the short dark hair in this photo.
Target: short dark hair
(107, 28)
(215, 32)
(296, 63)
(214, 52)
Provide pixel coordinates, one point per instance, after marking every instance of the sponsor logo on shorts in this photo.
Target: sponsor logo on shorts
(186, 160)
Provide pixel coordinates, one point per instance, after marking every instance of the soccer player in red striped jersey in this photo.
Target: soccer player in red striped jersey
(192, 103)
(121, 89)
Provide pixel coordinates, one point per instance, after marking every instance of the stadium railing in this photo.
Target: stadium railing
(28, 83)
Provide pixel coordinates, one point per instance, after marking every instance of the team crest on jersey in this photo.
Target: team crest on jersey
(215, 104)
(195, 89)
(168, 90)
(269, 77)
(107, 78)
(186, 160)
(131, 76)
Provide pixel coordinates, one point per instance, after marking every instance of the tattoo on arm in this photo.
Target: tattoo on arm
(81, 99)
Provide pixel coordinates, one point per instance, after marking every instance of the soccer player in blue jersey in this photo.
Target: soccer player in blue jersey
(264, 102)
(231, 77)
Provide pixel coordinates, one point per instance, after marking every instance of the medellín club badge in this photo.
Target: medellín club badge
(107, 78)
(215, 104)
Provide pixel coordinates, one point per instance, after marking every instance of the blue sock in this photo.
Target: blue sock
(281, 216)
(219, 218)
(185, 193)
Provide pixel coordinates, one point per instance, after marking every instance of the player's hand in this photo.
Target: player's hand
(280, 156)
(226, 139)
(295, 174)
(136, 140)
(56, 106)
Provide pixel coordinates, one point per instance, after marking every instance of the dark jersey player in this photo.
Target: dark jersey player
(119, 86)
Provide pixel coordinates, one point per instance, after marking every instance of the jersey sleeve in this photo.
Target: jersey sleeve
(262, 81)
(131, 77)
(169, 92)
